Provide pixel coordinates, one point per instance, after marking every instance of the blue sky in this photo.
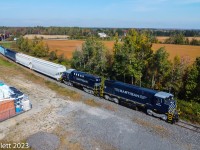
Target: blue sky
(184, 14)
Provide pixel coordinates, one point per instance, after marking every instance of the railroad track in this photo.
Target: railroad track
(188, 126)
(180, 123)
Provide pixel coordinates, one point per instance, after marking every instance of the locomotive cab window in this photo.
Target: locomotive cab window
(158, 101)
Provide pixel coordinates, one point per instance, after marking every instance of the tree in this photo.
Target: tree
(40, 49)
(131, 57)
(52, 56)
(176, 75)
(192, 82)
(77, 61)
(159, 69)
(91, 57)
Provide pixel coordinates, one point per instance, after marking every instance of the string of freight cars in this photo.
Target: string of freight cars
(157, 103)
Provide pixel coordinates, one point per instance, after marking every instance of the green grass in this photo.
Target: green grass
(7, 44)
(5, 63)
(190, 111)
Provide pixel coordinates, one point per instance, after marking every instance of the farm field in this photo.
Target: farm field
(188, 51)
(163, 38)
(67, 47)
(32, 36)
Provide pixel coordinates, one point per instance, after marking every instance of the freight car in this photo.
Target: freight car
(10, 54)
(48, 68)
(24, 60)
(159, 104)
(2, 50)
(45, 67)
(90, 83)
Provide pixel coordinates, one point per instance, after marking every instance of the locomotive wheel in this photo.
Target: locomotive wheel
(107, 97)
(116, 100)
(149, 112)
(164, 117)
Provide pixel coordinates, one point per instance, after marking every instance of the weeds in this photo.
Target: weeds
(92, 102)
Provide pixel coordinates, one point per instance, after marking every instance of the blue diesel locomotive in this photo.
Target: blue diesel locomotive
(156, 103)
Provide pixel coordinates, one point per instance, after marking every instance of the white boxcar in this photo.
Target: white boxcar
(48, 68)
(24, 59)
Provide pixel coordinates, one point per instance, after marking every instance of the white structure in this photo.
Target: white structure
(26, 105)
(102, 35)
(7, 93)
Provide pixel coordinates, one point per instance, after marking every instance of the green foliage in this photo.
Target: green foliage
(52, 56)
(192, 82)
(176, 39)
(91, 58)
(159, 69)
(189, 111)
(131, 57)
(181, 39)
(40, 50)
(194, 42)
(36, 47)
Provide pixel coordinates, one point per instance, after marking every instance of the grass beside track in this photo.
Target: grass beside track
(7, 44)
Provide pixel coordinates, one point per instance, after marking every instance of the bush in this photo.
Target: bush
(189, 111)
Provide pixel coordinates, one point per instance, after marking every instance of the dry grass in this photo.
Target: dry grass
(92, 102)
(110, 108)
(163, 132)
(67, 47)
(63, 91)
(65, 142)
(187, 51)
(163, 38)
(32, 36)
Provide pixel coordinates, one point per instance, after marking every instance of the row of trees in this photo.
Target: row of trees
(38, 48)
(181, 39)
(134, 62)
(83, 33)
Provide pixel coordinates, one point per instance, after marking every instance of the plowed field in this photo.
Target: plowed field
(67, 47)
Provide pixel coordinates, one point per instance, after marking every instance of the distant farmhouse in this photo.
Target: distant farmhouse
(102, 35)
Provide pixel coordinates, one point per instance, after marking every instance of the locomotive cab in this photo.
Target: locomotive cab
(165, 105)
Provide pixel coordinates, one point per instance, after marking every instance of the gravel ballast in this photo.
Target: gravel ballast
(72, 124)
